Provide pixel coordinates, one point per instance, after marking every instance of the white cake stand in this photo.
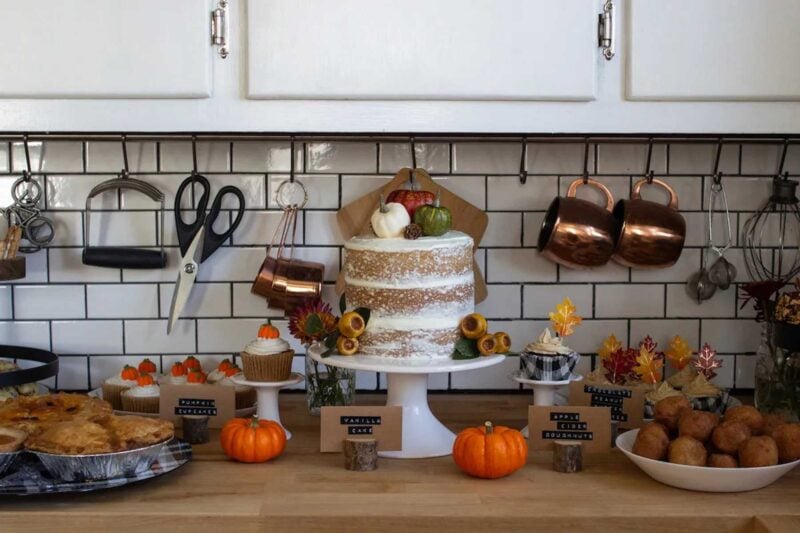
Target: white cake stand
(267, 392)
(544, 392)
(407, 386)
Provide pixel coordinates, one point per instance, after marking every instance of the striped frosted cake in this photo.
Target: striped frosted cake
(417, 292)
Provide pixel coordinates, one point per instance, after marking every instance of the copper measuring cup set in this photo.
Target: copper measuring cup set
(636, 233)
(287, 283)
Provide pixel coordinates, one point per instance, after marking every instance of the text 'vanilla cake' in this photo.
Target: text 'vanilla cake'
(417, 291)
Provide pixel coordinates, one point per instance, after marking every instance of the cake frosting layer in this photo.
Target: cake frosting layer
(417, 292)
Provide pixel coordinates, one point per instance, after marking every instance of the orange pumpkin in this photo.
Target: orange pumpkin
(232, 370)
(178, 370)
(268, 331)
(145, 379)
(252, 440)
(195, 376)
(192, 363)
(147, 367)
(224, 365)
(129, 373)
(490, 451)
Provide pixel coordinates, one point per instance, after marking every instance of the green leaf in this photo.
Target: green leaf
(314, 325)
(330, 340)
(342, 304)
(365, 314)
(466, 349)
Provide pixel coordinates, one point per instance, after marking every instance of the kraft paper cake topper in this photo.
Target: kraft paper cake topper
(591, 426)
(383, 423)
(353, 219)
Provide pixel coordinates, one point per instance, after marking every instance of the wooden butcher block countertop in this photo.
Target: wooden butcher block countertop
(304, 490)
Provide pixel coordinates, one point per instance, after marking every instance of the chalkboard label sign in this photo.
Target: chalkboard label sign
(589, 425)
(625, 404)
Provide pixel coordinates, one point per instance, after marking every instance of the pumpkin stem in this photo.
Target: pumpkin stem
(383, 207)
(489, 427)
(438, 199)
(254, 421)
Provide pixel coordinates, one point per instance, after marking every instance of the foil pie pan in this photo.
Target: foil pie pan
(6, 459)
(102, 465)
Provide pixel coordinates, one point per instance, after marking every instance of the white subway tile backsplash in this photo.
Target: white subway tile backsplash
(268, 156)
(32, 334)
(150, 337)
(322, 190)
(433, 157)
(486, 158)
(122, 301)
(211, 156)
(504, 229)
(506, 193)
(341, 157)
(49, 301)
(206, 299)
(6, 309)
(726, 375)
(87, 336)
(518, 265)
(166, 183)
(503, 302)
(6, 185)
(222, 314)
(108, 156)
(50, 156)
(540, 300)
(557, 158)
(251, 185)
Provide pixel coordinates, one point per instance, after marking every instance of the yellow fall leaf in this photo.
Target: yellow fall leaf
(564, 318)
(679, 352)
(610, 345)
(649, 367)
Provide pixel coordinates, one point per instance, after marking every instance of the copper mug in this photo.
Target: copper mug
(578, 233)
(295, 282)
(650, 235)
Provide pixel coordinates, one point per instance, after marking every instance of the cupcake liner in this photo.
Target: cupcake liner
(273, 367)
(140, 404)
(113, 394)
(541, 367)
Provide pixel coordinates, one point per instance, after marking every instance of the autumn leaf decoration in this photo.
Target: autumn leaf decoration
(679, 353)
(564, 318)
(610, 345)
(707, 361)
(618, 365)
(649, 362)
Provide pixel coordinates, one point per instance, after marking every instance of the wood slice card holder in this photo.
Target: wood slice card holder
(360, 454)
(567, 456)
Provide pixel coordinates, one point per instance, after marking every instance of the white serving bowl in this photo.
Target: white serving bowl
(703, 478)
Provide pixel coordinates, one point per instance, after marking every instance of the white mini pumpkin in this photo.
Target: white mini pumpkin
(390, 220)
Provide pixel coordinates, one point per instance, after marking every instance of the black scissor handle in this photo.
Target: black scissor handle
(186, 232)
(212, 239)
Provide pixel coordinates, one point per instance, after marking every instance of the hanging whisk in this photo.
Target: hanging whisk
(771, 236)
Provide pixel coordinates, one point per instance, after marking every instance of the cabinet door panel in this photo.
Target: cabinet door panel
(714, 50)
(105, 49)
(422, 49)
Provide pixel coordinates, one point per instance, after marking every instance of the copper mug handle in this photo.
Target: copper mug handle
(673, 197)
(573, 190)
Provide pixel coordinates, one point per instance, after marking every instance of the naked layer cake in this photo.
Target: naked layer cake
(417, 292)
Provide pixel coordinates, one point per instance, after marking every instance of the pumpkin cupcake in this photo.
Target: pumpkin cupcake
(114, 386)
(176, 376)
(144, 397)
(147, 367)
(192, 363)
(218, 373)
(267, 358)
(196, 377)
(245, 396)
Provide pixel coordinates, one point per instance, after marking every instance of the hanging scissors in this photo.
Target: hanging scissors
(190, 235)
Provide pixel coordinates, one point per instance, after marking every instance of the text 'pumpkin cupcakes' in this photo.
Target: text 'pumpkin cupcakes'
(267, 358)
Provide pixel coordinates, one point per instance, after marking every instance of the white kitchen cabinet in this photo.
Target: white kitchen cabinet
(422, 49)
(714, 50)
(105, 49)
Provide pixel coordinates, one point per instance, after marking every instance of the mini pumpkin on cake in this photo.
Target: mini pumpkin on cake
(548, 358)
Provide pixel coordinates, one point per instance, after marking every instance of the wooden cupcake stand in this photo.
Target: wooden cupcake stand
(407, 386)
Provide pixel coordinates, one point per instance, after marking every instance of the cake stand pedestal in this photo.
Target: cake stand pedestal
(544, 392)
(407, 387)
(267, 393)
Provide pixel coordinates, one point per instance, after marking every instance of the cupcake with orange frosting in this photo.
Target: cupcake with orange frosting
(177, 375)
(147, 367)
(268, 357)
(144, 397)
(218, 373)
(114, 386)
(196, 376)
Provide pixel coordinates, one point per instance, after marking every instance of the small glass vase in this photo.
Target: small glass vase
(328, 386)
(777, 376)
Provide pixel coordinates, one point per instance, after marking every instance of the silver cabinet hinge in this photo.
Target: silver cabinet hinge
(219, 28)
(605, 30)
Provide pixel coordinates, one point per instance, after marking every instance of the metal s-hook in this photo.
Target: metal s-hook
(291, 159)
(523, 172)
(194, 155)
(413, 145)
(586, 161)
(648, 172)
(124, 173)
(783, 159)
(716, 178)
(26, 174)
